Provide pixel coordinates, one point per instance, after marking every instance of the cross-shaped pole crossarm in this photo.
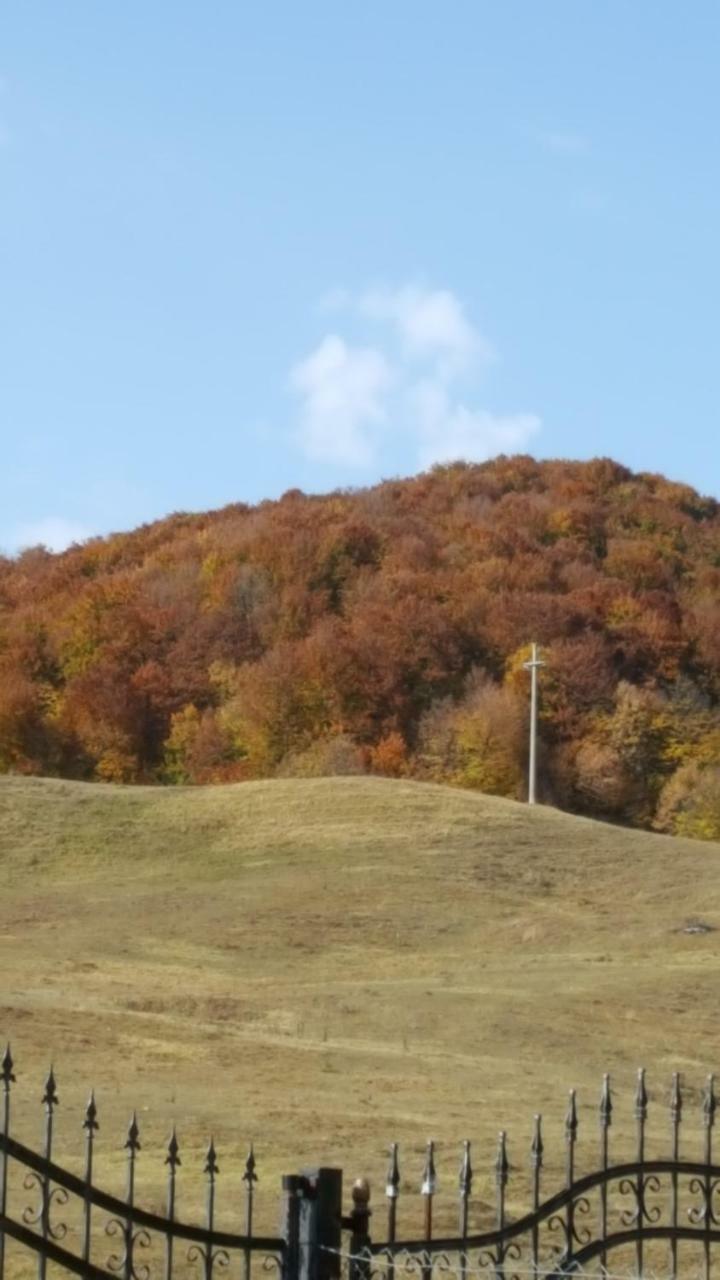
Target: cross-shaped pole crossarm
(533, 666)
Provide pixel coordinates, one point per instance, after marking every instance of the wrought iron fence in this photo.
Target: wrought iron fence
(644, 1216)
(641, 1211)
(135, 1233)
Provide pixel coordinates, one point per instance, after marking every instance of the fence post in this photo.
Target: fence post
(312, 1224)
(292, 1185)
(360, 1260)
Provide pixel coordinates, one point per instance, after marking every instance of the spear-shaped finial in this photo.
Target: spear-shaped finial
(465, 1179)
(676, 1099)
(606, 1106)
(392, 1180)
(173, 1151)
(571, 1119)
(709, 1103)
(429, 1182)
(50, 1097)
(90, 1123)
(250, 1175)
(537, 1147)
(6, 1069)
(641, 1097)
(502, 1165)
(132, 1142)
(211, 1164)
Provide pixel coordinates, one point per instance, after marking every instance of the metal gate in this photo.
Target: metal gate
(639, 1217)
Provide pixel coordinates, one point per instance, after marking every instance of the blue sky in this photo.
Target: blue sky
(251, 246)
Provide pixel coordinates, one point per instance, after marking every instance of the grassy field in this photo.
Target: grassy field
(326, 965)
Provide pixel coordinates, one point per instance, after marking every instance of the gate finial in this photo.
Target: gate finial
(606, 1105)
(641, 1097)
(211, 1164)
(537, 1147)
(173, 1151)
(392, 1181)
(466, 1171)
(676, 1100)
(249, 1174)
(90, 1123)
(6, 1069)
(429, 1182)
(571, 1119)
(502, 1165)
(709, 1103)
(132, 1142)
(50, 1098)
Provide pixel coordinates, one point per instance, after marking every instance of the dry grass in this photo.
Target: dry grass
(325, 965)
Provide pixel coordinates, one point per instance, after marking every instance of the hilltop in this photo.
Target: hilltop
(328, 964)
(383, 631)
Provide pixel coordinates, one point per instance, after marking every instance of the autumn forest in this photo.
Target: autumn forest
(384, 631)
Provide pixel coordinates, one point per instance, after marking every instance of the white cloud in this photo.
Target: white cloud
(564, 144)
(431, 323)
(449, 431)
(53, 532)
(343, 391)
(410, 387)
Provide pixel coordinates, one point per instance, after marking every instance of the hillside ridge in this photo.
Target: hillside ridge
(383, 631)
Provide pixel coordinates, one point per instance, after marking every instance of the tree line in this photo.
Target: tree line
(384, 630)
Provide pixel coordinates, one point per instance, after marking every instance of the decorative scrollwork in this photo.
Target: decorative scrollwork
(48, 1197)
(209, 1257)
(704, 1214)
(640, 1214)
(581, 1235)
(497, 1260)
(132, 1240)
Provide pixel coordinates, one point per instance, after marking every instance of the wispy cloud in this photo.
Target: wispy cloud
(410, 384)
(564, 144)
(54, 532)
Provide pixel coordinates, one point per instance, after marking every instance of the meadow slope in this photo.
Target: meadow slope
(328, 964)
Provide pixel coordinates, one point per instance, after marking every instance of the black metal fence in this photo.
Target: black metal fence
(644, 1216)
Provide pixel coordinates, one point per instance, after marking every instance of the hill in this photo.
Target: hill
(384, 631)
(328, 964)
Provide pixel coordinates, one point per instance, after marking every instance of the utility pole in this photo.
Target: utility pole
(532, 666)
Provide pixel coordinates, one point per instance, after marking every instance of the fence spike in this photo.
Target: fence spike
(50, 1097)
(6, 1069)
(211, 1165)
(392, 1192)
(429, 1187)
(465, 1183)
(172, 1160)
(537, 1147)
(132, 1142)
(173, 1151)
(502, 1166)
(709, 1103)
(90, 1123)
(606, 1106)
(250, 1175)
(641, 1097)
(392, 1181)
(429, 1182)
(676, 1099)
(571, 1119)
(466, 1171)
